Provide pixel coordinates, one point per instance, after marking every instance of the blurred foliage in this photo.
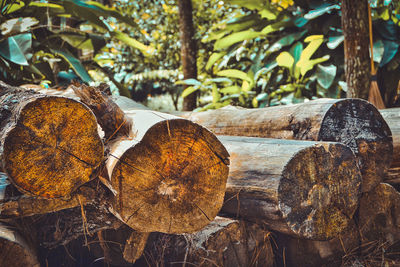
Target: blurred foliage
(52, 41)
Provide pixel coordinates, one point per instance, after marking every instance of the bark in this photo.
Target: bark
(169, 174)
(15, 250)
(224, 242)
(356, 47)
(188, 49)
(120, 247)
(300, 188)
(353, 122)
(392, 117)
(44, 139)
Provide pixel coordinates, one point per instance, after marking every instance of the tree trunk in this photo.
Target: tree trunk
(15, 250)
(356, 47)
(188, 49)
(353, 122)
(44, 139)
(300, 188)
(169, 174)
(224, 242)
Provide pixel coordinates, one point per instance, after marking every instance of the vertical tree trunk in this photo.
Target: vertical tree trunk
(356, 54)
(188, 49)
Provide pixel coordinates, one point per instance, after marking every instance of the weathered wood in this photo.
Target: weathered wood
(353, 122)
(301, 188)
(392, 117)
(304, 253)
(169, 174)
(49, 146)
(224, 242)
(15, 250)
(120, 247)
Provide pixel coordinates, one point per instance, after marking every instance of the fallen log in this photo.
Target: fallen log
(49, 146)
(15, 250)
(224, 242)
(392, 117)
(169, 174)
(353, 122)
(300, 188)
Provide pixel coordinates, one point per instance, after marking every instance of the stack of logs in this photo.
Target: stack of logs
(87, 179)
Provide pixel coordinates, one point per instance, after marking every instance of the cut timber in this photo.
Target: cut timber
(15, 250)
(169, 173)
(301, 188)
(354, 122)
(49, 146)
(392, 117)
(224, 242)
(120, 247)
(304, 253)
(379, 215)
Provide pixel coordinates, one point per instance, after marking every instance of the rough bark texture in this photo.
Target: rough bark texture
(356, 47)
(353, 122)
(15, 250)
(120, 247)
(44, 140)
(392, 117)
(224, 242)
(169, 174)
(304, 189)
(188, 49)
(304, 253)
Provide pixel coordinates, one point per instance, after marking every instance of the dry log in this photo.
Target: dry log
(392, 117)
(49, 146)
(15, 250)
(301, 188)
(353, 122)
(224, 242)
(169, 174)
(120, 247)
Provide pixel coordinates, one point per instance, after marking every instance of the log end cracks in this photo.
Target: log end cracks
(317, 202)
(173, 180)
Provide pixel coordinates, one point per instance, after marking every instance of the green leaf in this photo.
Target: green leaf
(307, 65)
(285, 60)
(216, 96)
(213, 58)
(77, 40)
(378, 49)
(189, 82)
(249, 4)
(326, 75)
(147, 50)
(110, 12)
(335, 41)
(296, 51)
(189, 90)
(235, 74)
(234, 89)
(304, 63)
(324, 8)
(15, 48)
(234, 38)
(391, 48)
(268, 14)
(285, 41)
(75, 64)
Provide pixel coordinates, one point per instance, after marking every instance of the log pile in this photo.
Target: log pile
(88, 179)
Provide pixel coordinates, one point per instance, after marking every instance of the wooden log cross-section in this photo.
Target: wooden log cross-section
(49, 146)
(353, 122)
(169, 173)
(301, 188)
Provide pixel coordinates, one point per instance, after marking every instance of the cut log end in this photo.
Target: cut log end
(188, 190)
(44, 153)
(359, 125)
(316, 203)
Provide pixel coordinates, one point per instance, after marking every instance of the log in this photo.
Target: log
(353, 122)
(49, 146)
(301, 188)
(15, 250)
(392, 117)
(224, 242)
(303, 253)
(169, 174)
